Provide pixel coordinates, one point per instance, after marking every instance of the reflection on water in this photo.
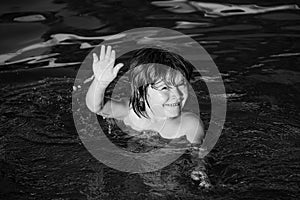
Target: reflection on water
(218, 9)
(254, 44)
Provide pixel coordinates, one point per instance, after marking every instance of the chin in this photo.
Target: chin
(173, 115)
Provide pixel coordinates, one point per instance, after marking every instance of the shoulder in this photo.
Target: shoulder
(191, 119)
(193, 127)
(117, 109)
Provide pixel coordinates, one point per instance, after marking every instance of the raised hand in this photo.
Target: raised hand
(103, 66)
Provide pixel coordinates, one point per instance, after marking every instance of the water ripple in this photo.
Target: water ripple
(189, 25)
(218, 10)
(30, 18)
(37, 53)
(285, 55)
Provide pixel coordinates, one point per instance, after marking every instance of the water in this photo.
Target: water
(255, 45)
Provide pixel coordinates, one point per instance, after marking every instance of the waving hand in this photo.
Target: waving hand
(103, 66)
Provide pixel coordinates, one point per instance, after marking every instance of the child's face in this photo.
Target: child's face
(167, 101)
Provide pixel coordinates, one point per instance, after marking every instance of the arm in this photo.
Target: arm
(193, 128)
(195, 135)
(95, 96)
(105, 72)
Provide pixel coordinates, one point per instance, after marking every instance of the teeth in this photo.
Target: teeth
(173, 104)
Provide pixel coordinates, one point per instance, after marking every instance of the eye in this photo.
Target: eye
(160, 88)
(183, 84)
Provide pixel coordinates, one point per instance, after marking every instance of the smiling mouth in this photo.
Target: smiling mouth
(173, 104)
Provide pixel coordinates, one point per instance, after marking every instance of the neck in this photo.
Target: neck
(153, 123)
(153, 118)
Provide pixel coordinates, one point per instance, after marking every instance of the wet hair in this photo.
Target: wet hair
(149, 66)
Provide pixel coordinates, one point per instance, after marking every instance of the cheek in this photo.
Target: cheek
(185, 95)
(162, 97)
(184, 92)
(157, 97)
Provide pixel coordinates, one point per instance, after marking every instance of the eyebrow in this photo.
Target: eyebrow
(162, 83)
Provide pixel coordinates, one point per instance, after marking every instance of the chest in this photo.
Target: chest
(169, 129)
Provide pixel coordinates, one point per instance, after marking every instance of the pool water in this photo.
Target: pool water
(255, 46)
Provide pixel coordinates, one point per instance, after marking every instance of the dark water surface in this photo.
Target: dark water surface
(255, 44)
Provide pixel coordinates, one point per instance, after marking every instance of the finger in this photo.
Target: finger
(113, 55)
(108, 52)
(102, 52)
(118, 67)
(95, 58)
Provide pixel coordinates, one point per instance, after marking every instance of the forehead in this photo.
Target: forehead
(175, 77)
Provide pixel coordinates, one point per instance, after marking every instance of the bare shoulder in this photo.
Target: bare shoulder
(117, 109)
(190, 119)
(193, 127)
